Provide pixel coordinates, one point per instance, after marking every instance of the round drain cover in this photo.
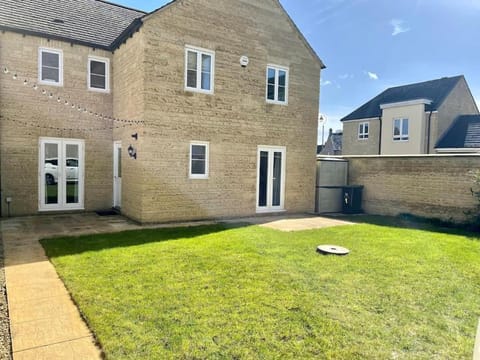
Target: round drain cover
(332, 250)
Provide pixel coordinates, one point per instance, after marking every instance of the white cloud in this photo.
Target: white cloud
(372, 75)
(346, 76)
(398, 27)
(325, 83)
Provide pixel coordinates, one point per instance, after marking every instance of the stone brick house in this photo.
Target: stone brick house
(200, 109)
(409, 119)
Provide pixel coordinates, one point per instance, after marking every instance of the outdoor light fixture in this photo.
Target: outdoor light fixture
(132, 152)
(135, 136)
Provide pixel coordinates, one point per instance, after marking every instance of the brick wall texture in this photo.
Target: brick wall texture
(429, 186)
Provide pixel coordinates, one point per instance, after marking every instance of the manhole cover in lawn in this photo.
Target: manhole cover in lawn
(332, 250)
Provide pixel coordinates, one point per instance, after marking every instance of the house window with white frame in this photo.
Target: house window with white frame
(277, 85)
(50, 67)
(199, 70)
(199, 160)
(98, 74)
(363, 131)
(400, 130)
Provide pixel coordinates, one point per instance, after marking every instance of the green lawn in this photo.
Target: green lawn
(253, 293)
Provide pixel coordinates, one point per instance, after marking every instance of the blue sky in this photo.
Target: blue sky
(370, 45)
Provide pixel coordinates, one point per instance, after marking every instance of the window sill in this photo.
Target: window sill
(200, 91)
(272, 102)
(50, 83)
(100, 91)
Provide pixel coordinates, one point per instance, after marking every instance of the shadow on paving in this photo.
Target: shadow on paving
(411, 222)
(64, 246)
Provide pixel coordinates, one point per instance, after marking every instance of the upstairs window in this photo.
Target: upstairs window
(363, 131)
(50, 67)
(98, 74)
(400, 130)
(199, 70)
(277, 85)
(199, 160)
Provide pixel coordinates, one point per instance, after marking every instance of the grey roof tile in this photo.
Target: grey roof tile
(463, 133)
(434, 90)
(90, 22)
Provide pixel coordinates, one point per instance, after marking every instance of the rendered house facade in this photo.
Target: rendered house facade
(201, 109)
(408, 119)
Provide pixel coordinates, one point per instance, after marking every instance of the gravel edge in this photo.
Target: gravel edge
(5, 339)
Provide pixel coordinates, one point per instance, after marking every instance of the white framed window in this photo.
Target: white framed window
(277, 85)
(199, 70)
(98, 74)
(199, 159)
(363, 131)
(50, 66)
(400, 129)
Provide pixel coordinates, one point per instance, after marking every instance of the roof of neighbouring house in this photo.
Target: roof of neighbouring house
(95, 23)
(464, 133)
(334, 143)
(434, 90)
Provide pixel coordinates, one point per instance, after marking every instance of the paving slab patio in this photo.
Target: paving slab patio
(44, 321)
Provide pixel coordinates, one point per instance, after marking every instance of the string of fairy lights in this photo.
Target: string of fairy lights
(67, 103)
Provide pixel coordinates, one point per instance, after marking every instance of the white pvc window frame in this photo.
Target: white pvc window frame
(199, 52)
(62, 204)
(363, 130)
(206, 174)
(106, 61)
(277, 70)
(58, 52)
(271, 150)
(403, 136)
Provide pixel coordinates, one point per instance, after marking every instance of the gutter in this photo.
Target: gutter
(429, 131)
(380, 137)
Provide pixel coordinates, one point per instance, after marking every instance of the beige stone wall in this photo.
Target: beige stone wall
(435, 186)
(19, 143)
(128, 103)
(235, 119)
(352, 145)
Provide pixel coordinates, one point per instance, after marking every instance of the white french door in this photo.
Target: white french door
(61, 174)
(117, 174)
(271, 179)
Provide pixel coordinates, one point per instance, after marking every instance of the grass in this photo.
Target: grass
(254, 293)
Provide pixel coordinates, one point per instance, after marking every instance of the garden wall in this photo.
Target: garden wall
(433, 186)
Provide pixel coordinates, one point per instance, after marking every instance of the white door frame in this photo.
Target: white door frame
(117, 180)
(61, 174)
(271, 153)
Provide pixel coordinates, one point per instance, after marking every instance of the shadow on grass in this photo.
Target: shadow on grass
(64, 246)
(412, 222)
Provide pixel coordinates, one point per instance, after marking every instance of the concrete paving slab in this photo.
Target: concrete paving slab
(79, 349)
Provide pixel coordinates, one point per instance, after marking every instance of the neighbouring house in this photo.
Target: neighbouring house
(408, 119)
(463, 136)
(200, 109)
(333, 146)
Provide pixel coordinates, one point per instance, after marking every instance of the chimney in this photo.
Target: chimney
(330, 132)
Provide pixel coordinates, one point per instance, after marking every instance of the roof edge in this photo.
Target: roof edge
(302, 37)
(129, 31)
(55, 37)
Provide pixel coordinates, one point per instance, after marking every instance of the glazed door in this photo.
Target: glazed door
(271, 179)
(117, 174)
(61, 174)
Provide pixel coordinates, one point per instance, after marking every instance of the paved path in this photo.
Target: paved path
(44, 321)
